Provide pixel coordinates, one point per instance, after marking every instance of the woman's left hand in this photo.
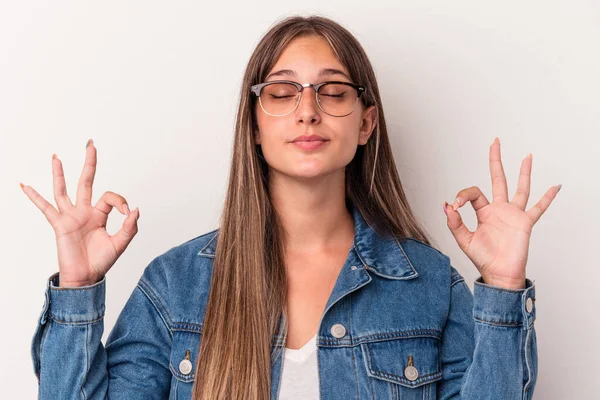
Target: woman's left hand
(500, 244)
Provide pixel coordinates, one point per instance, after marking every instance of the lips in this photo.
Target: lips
(310, 144)
(310, 138)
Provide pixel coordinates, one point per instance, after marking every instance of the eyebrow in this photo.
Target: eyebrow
(323, 72)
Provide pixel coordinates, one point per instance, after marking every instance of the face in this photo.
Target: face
(308, 56)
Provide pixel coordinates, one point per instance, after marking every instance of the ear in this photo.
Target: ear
(368, 124)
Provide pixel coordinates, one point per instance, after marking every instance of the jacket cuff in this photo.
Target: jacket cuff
(83, 304)
(504, 306)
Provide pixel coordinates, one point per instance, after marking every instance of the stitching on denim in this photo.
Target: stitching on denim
(367, 357)
(186, 326)
(350, 302)
(526, 349)
(498, 323)
(427, 378)
(158, 299)
(87, 363)
(461, 279)
(390, 387)
(42, 339)
(149, 288)
(157, 310)
(358, 254)
(86, 322)
(191, 330)
(433, 333)
(422, 379)
(355, 372)
(207, 244)
(371, 380)
(405, 256)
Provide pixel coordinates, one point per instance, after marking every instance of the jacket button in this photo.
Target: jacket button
(411, 373)
(338, 331)
(529, 304)
(185, 367)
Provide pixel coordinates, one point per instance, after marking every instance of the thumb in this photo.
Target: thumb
(459, 230)
(123, 237)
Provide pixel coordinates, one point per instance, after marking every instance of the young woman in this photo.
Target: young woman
(318, 283)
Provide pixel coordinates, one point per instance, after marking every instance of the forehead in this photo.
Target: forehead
(307, 56)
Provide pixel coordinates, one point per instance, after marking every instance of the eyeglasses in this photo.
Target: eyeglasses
(336, 98)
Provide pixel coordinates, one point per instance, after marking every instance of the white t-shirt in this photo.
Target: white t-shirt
(300, 379)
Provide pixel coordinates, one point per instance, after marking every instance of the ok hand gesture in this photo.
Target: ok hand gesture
(500, 245)
(85, 250)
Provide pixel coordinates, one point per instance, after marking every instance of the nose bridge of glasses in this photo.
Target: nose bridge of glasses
(301, 92)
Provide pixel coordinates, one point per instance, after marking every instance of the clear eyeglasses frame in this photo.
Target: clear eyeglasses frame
(325, 106)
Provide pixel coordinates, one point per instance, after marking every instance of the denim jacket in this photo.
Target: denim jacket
(400, 323)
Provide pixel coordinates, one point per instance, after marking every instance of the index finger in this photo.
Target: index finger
(499, 189)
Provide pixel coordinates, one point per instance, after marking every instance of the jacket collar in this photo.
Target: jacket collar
(383, 256)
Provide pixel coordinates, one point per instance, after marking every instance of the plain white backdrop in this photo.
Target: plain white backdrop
(155, 84)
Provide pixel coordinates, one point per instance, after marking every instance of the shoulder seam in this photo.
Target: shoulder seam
(428, 245)
(155, 307)
(158, 305)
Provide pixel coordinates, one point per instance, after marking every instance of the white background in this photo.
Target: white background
(156, 86)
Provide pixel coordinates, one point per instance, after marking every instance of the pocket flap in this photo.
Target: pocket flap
(184, 353)
(389, 359)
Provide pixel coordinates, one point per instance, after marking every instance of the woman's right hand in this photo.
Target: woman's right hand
(85, 250)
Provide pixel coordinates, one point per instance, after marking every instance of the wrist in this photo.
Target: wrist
(505, 283)
(65, 283)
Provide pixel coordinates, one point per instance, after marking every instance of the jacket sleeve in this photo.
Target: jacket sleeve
(71, 362)
(489, 347)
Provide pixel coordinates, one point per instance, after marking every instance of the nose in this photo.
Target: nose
(308, 110)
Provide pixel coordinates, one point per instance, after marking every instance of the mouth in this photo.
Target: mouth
(309, 144)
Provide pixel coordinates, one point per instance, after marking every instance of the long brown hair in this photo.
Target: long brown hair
(248, 288)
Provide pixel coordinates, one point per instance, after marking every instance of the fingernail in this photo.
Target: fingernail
(53, 156)
(126, 208)
(22, 186)
(444, 207)
(559, 187)
(456, 203)
(138, 213)
(90, 141)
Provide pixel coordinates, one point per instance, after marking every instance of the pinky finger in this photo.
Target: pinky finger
(538, 210)
(46, 208)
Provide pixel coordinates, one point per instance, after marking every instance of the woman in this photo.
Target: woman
(319, 282)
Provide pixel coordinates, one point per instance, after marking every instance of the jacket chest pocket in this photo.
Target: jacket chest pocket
(403, 369)
(184, 353)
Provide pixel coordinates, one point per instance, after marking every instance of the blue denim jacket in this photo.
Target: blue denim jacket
(401, 323)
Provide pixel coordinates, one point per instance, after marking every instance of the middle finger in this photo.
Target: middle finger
(523, 184)
(63, 202)
(86, 180)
